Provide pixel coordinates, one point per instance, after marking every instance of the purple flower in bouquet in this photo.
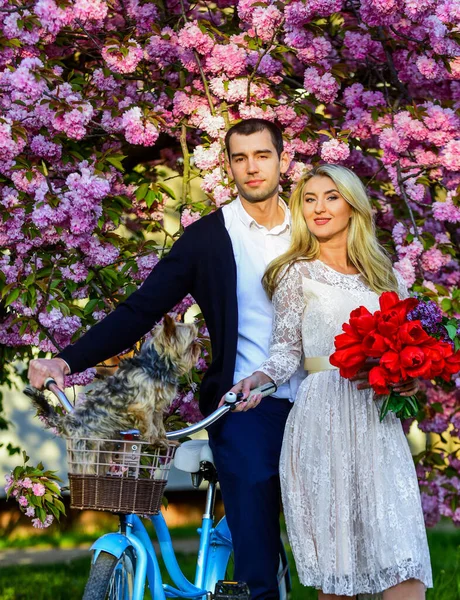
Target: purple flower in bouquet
(428, 313)
(430, 316)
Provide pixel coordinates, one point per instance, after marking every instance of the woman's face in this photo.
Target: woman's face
(326, 212)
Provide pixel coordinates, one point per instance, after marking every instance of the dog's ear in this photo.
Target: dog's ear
(169, 326)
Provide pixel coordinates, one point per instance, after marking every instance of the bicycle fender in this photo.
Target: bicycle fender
(112, 543)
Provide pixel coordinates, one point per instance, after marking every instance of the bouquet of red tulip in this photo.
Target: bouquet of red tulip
(411, 338)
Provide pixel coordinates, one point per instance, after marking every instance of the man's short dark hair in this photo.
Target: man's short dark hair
(250, 126)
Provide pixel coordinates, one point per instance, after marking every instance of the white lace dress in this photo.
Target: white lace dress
(349, 487)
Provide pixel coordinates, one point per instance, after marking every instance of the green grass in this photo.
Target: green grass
(67, 581)
(75, 538)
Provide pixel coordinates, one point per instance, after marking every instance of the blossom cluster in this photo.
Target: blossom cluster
(37, 492)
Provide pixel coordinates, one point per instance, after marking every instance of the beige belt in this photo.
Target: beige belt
(317, 364)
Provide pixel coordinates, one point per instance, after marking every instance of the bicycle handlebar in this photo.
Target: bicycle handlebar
(52, 386)
(231, 401)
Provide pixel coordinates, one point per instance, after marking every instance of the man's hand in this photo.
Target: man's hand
(245, 386)
(407, 388)
(41, 369)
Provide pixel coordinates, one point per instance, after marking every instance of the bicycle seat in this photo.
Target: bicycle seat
(190, 454)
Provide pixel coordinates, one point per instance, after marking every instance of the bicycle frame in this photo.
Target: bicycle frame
(133, 534)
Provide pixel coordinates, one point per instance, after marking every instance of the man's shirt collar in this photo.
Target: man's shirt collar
(250, 222)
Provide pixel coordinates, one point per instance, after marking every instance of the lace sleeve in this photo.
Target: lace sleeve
(286, 339)
(403, 292)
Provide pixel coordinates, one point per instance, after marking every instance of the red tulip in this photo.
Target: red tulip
(415, 362)
(390, 361)
(387, 300)
(375, 344)
(349, 360)
(378, 379)
(412, 333)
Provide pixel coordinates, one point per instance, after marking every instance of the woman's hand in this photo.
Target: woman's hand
(245, 386)
(409, 387)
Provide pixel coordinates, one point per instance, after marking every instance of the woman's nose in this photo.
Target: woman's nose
(320, 206)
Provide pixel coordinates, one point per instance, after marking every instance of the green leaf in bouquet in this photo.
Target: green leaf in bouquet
(405, 407)
(451, 329)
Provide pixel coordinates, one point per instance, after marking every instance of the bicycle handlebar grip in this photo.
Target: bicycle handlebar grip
(49, 381)
(266, 390)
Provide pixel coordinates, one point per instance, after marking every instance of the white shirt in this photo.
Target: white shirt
(254, 247)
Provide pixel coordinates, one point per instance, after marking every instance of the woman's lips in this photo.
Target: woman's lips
(321, 221)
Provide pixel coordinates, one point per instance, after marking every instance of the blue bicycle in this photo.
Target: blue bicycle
(127, 476)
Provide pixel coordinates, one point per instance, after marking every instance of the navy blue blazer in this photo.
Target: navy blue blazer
(200, 263)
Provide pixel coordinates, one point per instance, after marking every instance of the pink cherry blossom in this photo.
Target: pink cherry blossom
(138, 129)
(191, 37)
(38, 524)
(38, 489)
(120, 62)
(324, 87)
(433, 260)
(207, 158)
(229, 59)
(188, 217)
(447, 210)
(334, 151)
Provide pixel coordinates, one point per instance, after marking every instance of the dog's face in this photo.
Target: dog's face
(177, 344)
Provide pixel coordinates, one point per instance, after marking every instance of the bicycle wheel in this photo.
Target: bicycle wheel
(111, 578)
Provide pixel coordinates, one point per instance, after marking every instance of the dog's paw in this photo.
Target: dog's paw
(162, 443)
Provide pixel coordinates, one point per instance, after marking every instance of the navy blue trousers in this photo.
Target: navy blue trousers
(246, 448)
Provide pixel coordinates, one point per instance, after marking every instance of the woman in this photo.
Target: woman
(349, 486)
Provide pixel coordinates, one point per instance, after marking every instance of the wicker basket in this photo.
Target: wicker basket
(123, 476)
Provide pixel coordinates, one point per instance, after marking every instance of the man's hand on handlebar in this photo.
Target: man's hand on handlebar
(244, 388)
(41, 369)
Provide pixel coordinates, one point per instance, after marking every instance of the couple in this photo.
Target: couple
(349, 485)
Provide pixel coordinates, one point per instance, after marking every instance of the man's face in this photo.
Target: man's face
(255, 165)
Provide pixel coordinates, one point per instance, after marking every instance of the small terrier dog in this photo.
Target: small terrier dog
(136, 395)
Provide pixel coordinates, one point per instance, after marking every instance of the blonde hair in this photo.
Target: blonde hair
(364, 250)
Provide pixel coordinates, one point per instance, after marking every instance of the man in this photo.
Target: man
(220, 261)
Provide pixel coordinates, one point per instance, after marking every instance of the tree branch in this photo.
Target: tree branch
(406, 200)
